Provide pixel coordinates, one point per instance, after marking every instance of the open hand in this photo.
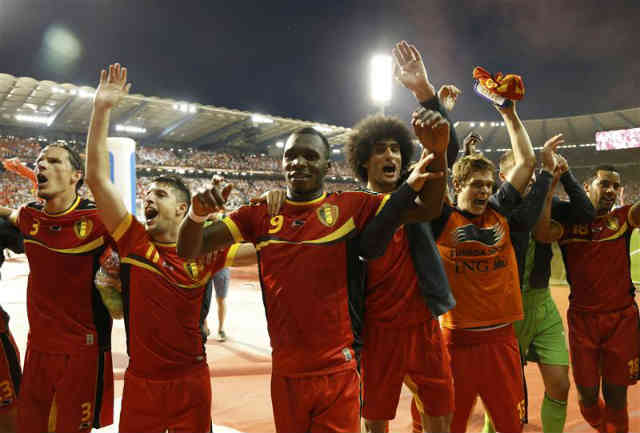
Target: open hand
(409, 70)
(448, 95)
(113, 86)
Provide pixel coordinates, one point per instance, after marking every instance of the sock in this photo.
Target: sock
(553, 414)
(415, 416)
(594, 414)
(488, 424)
(616, 420)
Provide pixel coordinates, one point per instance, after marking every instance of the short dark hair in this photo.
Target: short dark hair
(370, 131)
(74, 159)
(174, 181)
(602, 167)
(313, 131)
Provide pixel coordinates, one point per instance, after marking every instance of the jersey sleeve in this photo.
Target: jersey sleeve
(242, 223)
(129, 234)
(370, 205)
(633, 224)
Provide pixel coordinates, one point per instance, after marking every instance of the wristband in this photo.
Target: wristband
(197, 218)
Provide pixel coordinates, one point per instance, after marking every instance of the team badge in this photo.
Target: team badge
(613, 223)
(193, 269)
(328, 214)
(82, 228)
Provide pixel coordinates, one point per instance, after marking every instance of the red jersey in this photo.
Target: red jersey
(393, 295)
(306, 261)
(162, 297)
(598, 262)
(64, 307)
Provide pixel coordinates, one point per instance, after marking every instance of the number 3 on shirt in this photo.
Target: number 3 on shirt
(276, 224)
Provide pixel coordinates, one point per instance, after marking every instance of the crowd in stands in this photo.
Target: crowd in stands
(15, 190)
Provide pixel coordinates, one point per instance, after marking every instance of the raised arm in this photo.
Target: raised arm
(432, 129)
(579, 208)
(547, 230)
(194, 239)
(525, 159)
(634, 213)
(113, 86)
(409, 70)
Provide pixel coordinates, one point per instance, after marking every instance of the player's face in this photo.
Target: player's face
(305, 164)
(384, 165)
(162, 210)
(55, 173)
(473, 195)
(604, 190)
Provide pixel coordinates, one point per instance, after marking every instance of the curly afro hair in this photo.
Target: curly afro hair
(367, 133)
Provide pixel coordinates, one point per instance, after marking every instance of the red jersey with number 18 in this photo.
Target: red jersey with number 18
(598, 262)
(308, 258)
(162, 297)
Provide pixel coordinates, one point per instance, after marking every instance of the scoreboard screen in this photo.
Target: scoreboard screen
(619, 139)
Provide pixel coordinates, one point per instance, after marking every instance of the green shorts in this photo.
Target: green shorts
(541, 333)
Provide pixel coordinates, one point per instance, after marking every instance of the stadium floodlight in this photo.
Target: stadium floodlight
(472, 124)
(381, 79)
(258, 118)
(131, 129)
(44, 120)
(323, 129)
(336, 150)
(455, 125)
(192, 108)
(481, 124)
(280, 144)
(85, 93)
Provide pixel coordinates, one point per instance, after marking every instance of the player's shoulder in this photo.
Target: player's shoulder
(36, 205)
(359, 195)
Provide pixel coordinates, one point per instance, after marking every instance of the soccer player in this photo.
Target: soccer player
(310, 270)
(541, 333)
(10, 371)
(67, 382)
(167, 383)
(396, 313)
(603, 317)
(474, 239)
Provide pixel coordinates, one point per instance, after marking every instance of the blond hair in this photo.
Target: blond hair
(464, 168)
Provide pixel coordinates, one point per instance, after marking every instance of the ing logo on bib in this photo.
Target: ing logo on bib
(82, 228)
(328, 214)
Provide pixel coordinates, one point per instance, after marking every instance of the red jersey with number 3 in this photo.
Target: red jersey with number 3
(305, 256)
(162, 296)
(66, 313)
(598, 262)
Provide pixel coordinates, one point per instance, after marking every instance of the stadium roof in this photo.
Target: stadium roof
(27, 102)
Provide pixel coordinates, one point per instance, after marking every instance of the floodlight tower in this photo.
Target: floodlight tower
(380, 81)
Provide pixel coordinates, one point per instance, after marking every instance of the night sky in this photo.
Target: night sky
(309, 60)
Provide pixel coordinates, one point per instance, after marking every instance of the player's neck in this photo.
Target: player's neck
(302, 197)
(166, 237)
(60, 202)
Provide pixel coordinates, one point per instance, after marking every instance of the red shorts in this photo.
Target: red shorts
(604, 344)
(416, 355)
(327, 403)
(10, 372)
(178, 405)
(66, 392)
(487, 364)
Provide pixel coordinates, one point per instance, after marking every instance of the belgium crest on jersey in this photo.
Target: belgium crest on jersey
(193, 269)
(328, 214)
(82, 228)
(613, 223)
